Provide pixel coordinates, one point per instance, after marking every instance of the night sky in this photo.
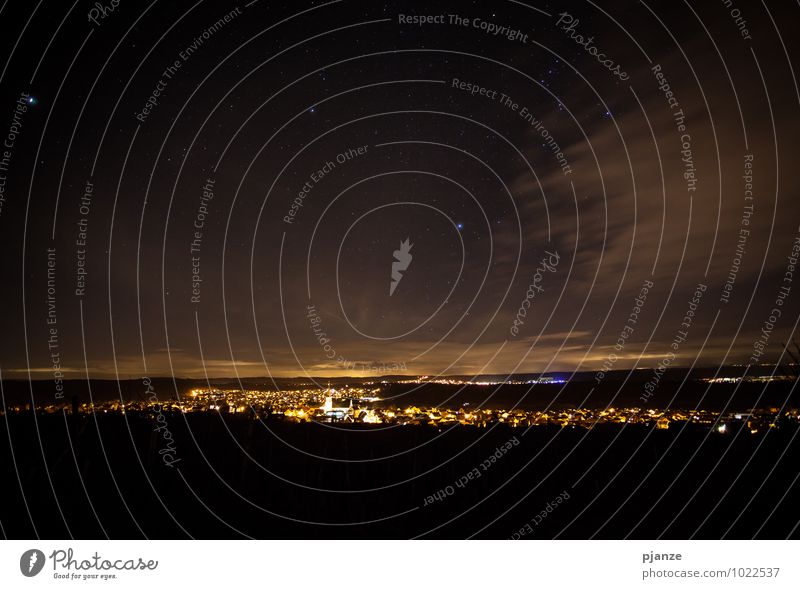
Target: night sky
(220, 189)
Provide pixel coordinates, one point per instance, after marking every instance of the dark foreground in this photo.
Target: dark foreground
(105, 476)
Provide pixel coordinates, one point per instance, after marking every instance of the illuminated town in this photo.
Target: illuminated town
(354, 405)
